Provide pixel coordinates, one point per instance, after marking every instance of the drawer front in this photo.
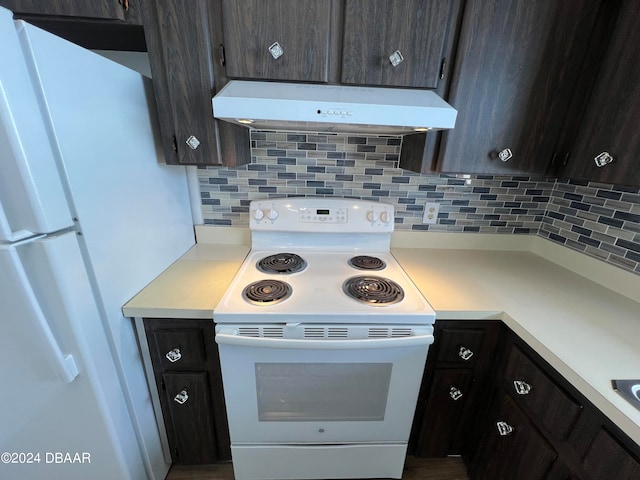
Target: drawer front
(546, 401)
(179, 348)
(460, 346)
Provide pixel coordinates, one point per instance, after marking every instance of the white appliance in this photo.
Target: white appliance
(323, 340)
(332, 108)
(88, 216)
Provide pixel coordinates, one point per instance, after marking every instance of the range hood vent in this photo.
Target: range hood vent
(332, 108)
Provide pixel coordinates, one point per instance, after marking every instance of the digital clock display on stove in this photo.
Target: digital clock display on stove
(322, 211)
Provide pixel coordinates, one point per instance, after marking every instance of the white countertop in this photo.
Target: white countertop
(587, 330)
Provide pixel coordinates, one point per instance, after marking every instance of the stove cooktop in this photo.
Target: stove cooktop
(316, 290)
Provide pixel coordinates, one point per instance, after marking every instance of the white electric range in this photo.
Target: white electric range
(322, 339)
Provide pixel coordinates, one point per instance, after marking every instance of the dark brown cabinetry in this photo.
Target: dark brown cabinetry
(279, 39)
(516, 68)
(411, 33)
(609, 128)
(454, 387)
(103, 9)
(100, 24)
(300, 40)
(539, 427)
(183, 52)
(181, 60)
(511, 447)
(186, 369)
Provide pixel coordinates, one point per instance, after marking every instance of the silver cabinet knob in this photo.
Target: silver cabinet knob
(605, 158)
(396, 58)
(504, 428)
(455, 393)
(276, 50)
(174, 355)
(192, 142)
(181, 397)
(464, 353)
(521, 387)
(505, 155)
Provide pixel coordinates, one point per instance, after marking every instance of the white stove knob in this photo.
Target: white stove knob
(272, 214)
(258, 214)
(372, 216)
(384, 217)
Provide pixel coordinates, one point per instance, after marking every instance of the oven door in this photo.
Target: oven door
(320, 390)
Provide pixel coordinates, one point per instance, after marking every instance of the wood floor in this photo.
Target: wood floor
(451, 468)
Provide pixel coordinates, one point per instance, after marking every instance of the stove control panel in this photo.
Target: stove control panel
(321, 214)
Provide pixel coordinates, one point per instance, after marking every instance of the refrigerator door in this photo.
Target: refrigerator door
(133, 211)
(42, 415)
(32, 198)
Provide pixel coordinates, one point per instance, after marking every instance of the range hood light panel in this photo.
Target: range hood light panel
(266, 105)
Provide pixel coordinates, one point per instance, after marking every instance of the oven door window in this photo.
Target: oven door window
(290, 392)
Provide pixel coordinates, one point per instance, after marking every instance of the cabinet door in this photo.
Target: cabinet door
(511, 447)
(449, 398)
(610, 124)
(300, 28)
(555, 409)
(103, 9)
(181, 58)
(374, 30)
(190, 417)
(516, 67)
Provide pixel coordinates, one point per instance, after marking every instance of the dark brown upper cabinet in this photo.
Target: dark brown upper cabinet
(183, 53)
(517, 65)
(99, 24)
(280, 39)
(103, 9)
(608, 131)
(397, 43)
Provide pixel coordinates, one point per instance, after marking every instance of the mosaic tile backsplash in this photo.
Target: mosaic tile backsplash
(597, 219)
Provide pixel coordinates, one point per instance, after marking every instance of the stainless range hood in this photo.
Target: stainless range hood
(332, 108)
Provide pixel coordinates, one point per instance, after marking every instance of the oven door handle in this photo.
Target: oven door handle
(262, 342)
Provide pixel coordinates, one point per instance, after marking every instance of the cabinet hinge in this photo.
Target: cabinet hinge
(176, 454)
(221, 58)
(443, 67)
(163, 386)
(125, 4)
(175, 144)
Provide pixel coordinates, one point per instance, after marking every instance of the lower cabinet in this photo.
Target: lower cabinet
(454, 388)
(186, 368)
(539, 427)
(487, 396)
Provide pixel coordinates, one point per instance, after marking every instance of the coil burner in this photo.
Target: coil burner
(365, 262)
(267, 292)
(373, 290)
(282, 263)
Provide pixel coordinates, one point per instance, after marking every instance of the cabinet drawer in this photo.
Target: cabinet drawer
(460, 346)
(178, 348)
(545, 400)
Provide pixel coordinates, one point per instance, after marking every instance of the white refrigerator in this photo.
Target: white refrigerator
(89, 215)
